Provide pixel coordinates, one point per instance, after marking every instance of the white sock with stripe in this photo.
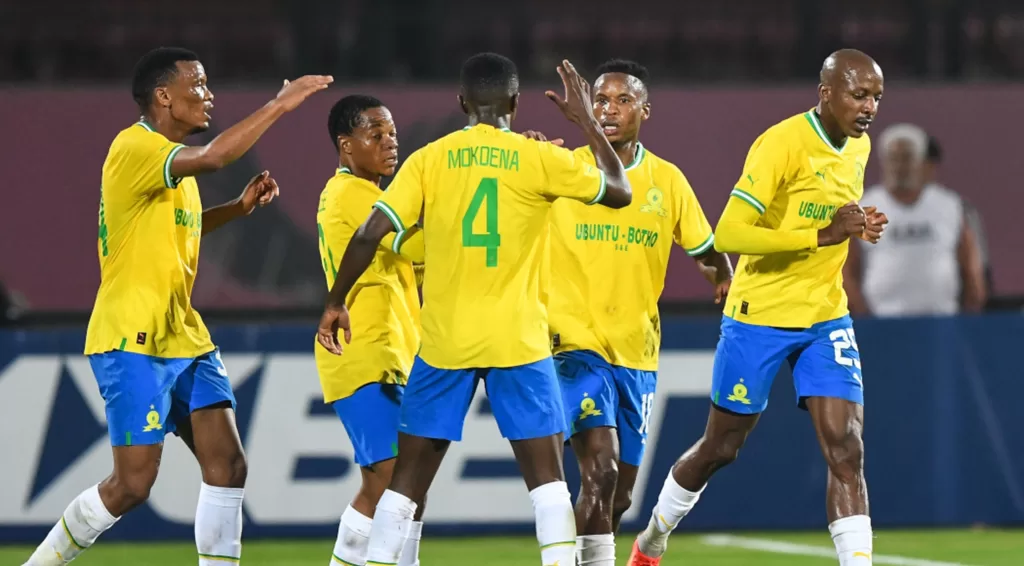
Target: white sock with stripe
(674, 503)
(595, 550)
(83, 522)
(852, 537)
(219, 525)
(353, 539)
(556, 524)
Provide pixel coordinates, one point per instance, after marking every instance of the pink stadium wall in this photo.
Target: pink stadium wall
(56, 140)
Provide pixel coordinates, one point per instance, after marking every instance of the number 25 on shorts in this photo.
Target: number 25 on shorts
(486, 191)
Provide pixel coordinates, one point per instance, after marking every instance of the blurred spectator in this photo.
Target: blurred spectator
(932, 166)
(928, 261)
(12, 306)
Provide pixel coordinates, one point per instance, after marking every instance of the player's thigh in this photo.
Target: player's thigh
(211, 404)
(370, 417)
(137, 393)
(527, 405)
(636, 401)
(588, 390)
(830, 365)
(436, 401)
(746, 361)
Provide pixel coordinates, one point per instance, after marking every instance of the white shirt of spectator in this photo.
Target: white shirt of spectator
(913, 269)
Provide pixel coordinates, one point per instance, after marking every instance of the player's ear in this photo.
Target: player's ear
(645, 111)
(462, 105)
(824, 93)
(345, 144)
(161, 97)
(513, 104)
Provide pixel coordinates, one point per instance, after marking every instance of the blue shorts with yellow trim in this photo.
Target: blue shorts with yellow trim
(147, 396)
(597, 393)
(824, 359)
(525, 400)
(370, 416)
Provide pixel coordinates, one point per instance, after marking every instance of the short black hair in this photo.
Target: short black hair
(489, 79)
(156, 69)
(346, 113)
(934, 154)
(627, 67)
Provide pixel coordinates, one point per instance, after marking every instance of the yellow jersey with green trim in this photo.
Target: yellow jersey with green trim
(384, 304)
(484, 194)
(796, 179)
(608, 266)
(149, 231)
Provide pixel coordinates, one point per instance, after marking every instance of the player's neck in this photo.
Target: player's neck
(831, 127)
(363, 174)
(493, 119)
(626, 150)
(167, 127)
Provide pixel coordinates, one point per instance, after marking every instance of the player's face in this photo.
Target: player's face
(620, 105)
(855, 98)
(190, 98)
(902, 170)
(373, 144)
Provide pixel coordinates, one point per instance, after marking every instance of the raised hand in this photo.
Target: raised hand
(576, 106)
(260, 190)
(847, 221)
(293, 93)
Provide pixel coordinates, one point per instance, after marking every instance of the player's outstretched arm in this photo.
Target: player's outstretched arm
(236, 140)
(357, 258)
(577, 107)
(259, 191)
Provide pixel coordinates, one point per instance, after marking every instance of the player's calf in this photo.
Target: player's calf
(97, 509)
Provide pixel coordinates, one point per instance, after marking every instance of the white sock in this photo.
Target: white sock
(556, 524)
(595, 550)
(674, 503)
(83, 522)
(852, 537)
(392, 521)
(353, 539)
(219, 525)
(411, 549)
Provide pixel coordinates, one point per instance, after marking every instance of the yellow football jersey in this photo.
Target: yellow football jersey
(149, 230)
(608, 266)
(384, 304)
(797, 179)
(485, 194)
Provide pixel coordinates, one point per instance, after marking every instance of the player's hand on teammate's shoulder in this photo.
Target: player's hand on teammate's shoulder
(293, 93)
(260, 190)
(848, 221)
(538, 136)
(576, 105)
(874, 226)
(334, 317)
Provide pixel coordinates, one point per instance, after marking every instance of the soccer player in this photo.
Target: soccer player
(484, 193)
(790, 217)
(365, 385)
(608, 271)
(156, 366)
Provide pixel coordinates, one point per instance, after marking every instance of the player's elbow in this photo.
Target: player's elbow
(618, 193)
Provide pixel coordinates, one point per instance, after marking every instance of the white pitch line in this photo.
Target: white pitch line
(778, 547)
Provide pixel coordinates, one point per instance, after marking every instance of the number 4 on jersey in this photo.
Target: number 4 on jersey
(487, 190)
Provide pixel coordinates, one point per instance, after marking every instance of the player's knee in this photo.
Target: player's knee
(600, 478)
(130, 490)
(721, 452)
(623, 500)
(228, 470)
(845, 456)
